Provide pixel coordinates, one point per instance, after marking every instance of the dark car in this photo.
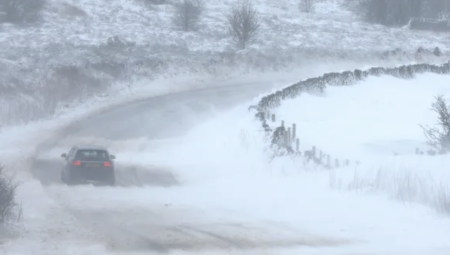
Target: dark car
(88, 164)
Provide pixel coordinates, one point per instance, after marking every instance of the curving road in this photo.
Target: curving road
(159, 117)
(156, 226)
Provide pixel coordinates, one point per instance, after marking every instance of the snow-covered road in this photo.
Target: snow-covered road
(126, 224)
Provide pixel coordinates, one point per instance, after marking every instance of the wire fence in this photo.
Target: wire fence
(285, 137)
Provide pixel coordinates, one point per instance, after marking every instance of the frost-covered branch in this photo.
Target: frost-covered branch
(438, 136)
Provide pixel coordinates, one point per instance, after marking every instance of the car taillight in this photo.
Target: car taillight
(107, 164)
(76, 163)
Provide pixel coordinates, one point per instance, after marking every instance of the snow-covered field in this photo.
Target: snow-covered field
(377, 123)
(67, 59)
(232, 195)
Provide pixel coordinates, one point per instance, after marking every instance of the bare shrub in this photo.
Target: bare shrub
(243, 23)
(307, 5)
(10, 210)
(187, 14)
(438, 136)
(20, 11)
(437, 52)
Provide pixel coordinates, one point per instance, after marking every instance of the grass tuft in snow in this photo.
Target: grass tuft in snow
(10, 210)
(409, 180)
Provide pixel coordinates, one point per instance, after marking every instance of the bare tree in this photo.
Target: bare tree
(438, 137)
(306, 5)
(187, 14)
(243, 23)
(9, 209)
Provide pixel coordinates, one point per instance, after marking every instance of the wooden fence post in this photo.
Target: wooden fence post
(289, 137)
(285, 138)
(297, 145)
(294, 131)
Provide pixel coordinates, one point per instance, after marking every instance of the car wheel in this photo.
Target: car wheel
(112, 181)
(68, 179)
(63, 177)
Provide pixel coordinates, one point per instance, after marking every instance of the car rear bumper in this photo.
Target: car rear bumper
(92, 175)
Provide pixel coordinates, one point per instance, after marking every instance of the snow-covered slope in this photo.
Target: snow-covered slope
(68, 59)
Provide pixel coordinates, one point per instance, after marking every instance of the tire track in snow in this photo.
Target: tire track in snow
(169, 230)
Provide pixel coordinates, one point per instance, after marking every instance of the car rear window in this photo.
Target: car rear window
(92, 155)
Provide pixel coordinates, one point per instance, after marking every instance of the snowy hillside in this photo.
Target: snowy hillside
(330, 27)
(84, 49)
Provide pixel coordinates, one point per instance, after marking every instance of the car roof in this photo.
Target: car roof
(90, 147)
